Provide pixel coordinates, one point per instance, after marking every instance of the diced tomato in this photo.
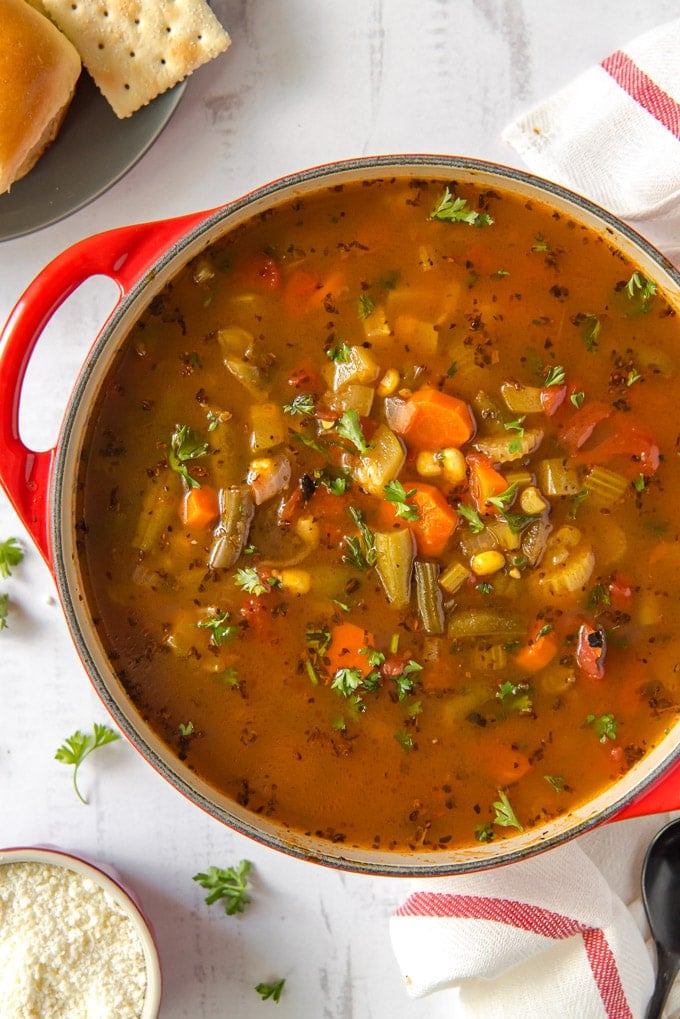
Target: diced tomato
(590, 650)
(630, 441)
(552, 398)
(306, 379)
(581, 424)
(262, 271)
(620, 591)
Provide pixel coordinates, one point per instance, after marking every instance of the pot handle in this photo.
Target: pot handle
(663, 797)
(124, 255)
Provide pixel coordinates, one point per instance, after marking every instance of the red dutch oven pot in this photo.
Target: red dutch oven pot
(140, 259)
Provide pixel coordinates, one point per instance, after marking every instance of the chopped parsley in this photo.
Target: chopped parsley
(221, 630)
(366, 306)
(450, 209)
(605, 726)
(474, 521)
(349, 427)
(340, 353)
(302, 404)
(397, 494)
(555, 376)
(505, 815)
(185, 445)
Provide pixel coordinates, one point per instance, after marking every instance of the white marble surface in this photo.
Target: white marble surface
(305, 82)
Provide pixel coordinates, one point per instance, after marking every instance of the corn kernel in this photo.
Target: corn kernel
(307, 529)
(388, 383)
(428, 464)
(295, 581)
(486, 563)
(453, 464)
(532, 501)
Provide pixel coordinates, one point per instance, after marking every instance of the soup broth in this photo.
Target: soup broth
(379, 514)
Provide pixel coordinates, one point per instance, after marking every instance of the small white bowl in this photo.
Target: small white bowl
(110, 882)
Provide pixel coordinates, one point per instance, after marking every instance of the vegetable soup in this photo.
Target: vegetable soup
(379, 514)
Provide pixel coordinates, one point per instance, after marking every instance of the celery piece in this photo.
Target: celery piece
(605, 487)
(381, 462)
(558, 476)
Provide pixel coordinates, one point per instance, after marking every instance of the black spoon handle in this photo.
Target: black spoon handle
(668, 964)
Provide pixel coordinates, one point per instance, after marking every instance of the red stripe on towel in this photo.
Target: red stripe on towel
(643, 90)
(537, 921)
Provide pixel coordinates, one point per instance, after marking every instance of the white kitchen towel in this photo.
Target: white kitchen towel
(613, 135)
(548, 936)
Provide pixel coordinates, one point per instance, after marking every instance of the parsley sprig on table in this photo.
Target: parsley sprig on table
(11, 555)
(271, 990)
(230, 884)
(80, 745)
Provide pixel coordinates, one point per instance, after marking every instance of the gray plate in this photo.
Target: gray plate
(92, 151)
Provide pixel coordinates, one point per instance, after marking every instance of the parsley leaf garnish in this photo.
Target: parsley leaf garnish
(515, 445)
(4, 610)
(405, 740)
(638, 286)
(505, 815)
(475, 522)
(450, 209)
(366, 306)
(349, 427)
(302, 404)
(361, 550)
(555, 376)
(80, 745)
(504, 499)
(347, 681)
(230, 884)
(397, 494)
(221, 629)
(590, 326)
(11, 555)
(185, 445)
(340, 353)
(605, 726)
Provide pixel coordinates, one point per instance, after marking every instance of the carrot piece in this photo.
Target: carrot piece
(435, 420)
(200, 507)
(538, 652)
(344, 650)
(504, 764)
(305, 292)
(485, 482)
(435, 521)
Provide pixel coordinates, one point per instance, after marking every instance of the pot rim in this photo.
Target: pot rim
(340, 857)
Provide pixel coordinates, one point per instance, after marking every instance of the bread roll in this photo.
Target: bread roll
(39, 69)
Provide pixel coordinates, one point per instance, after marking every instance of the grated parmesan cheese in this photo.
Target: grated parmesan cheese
(67, 949)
